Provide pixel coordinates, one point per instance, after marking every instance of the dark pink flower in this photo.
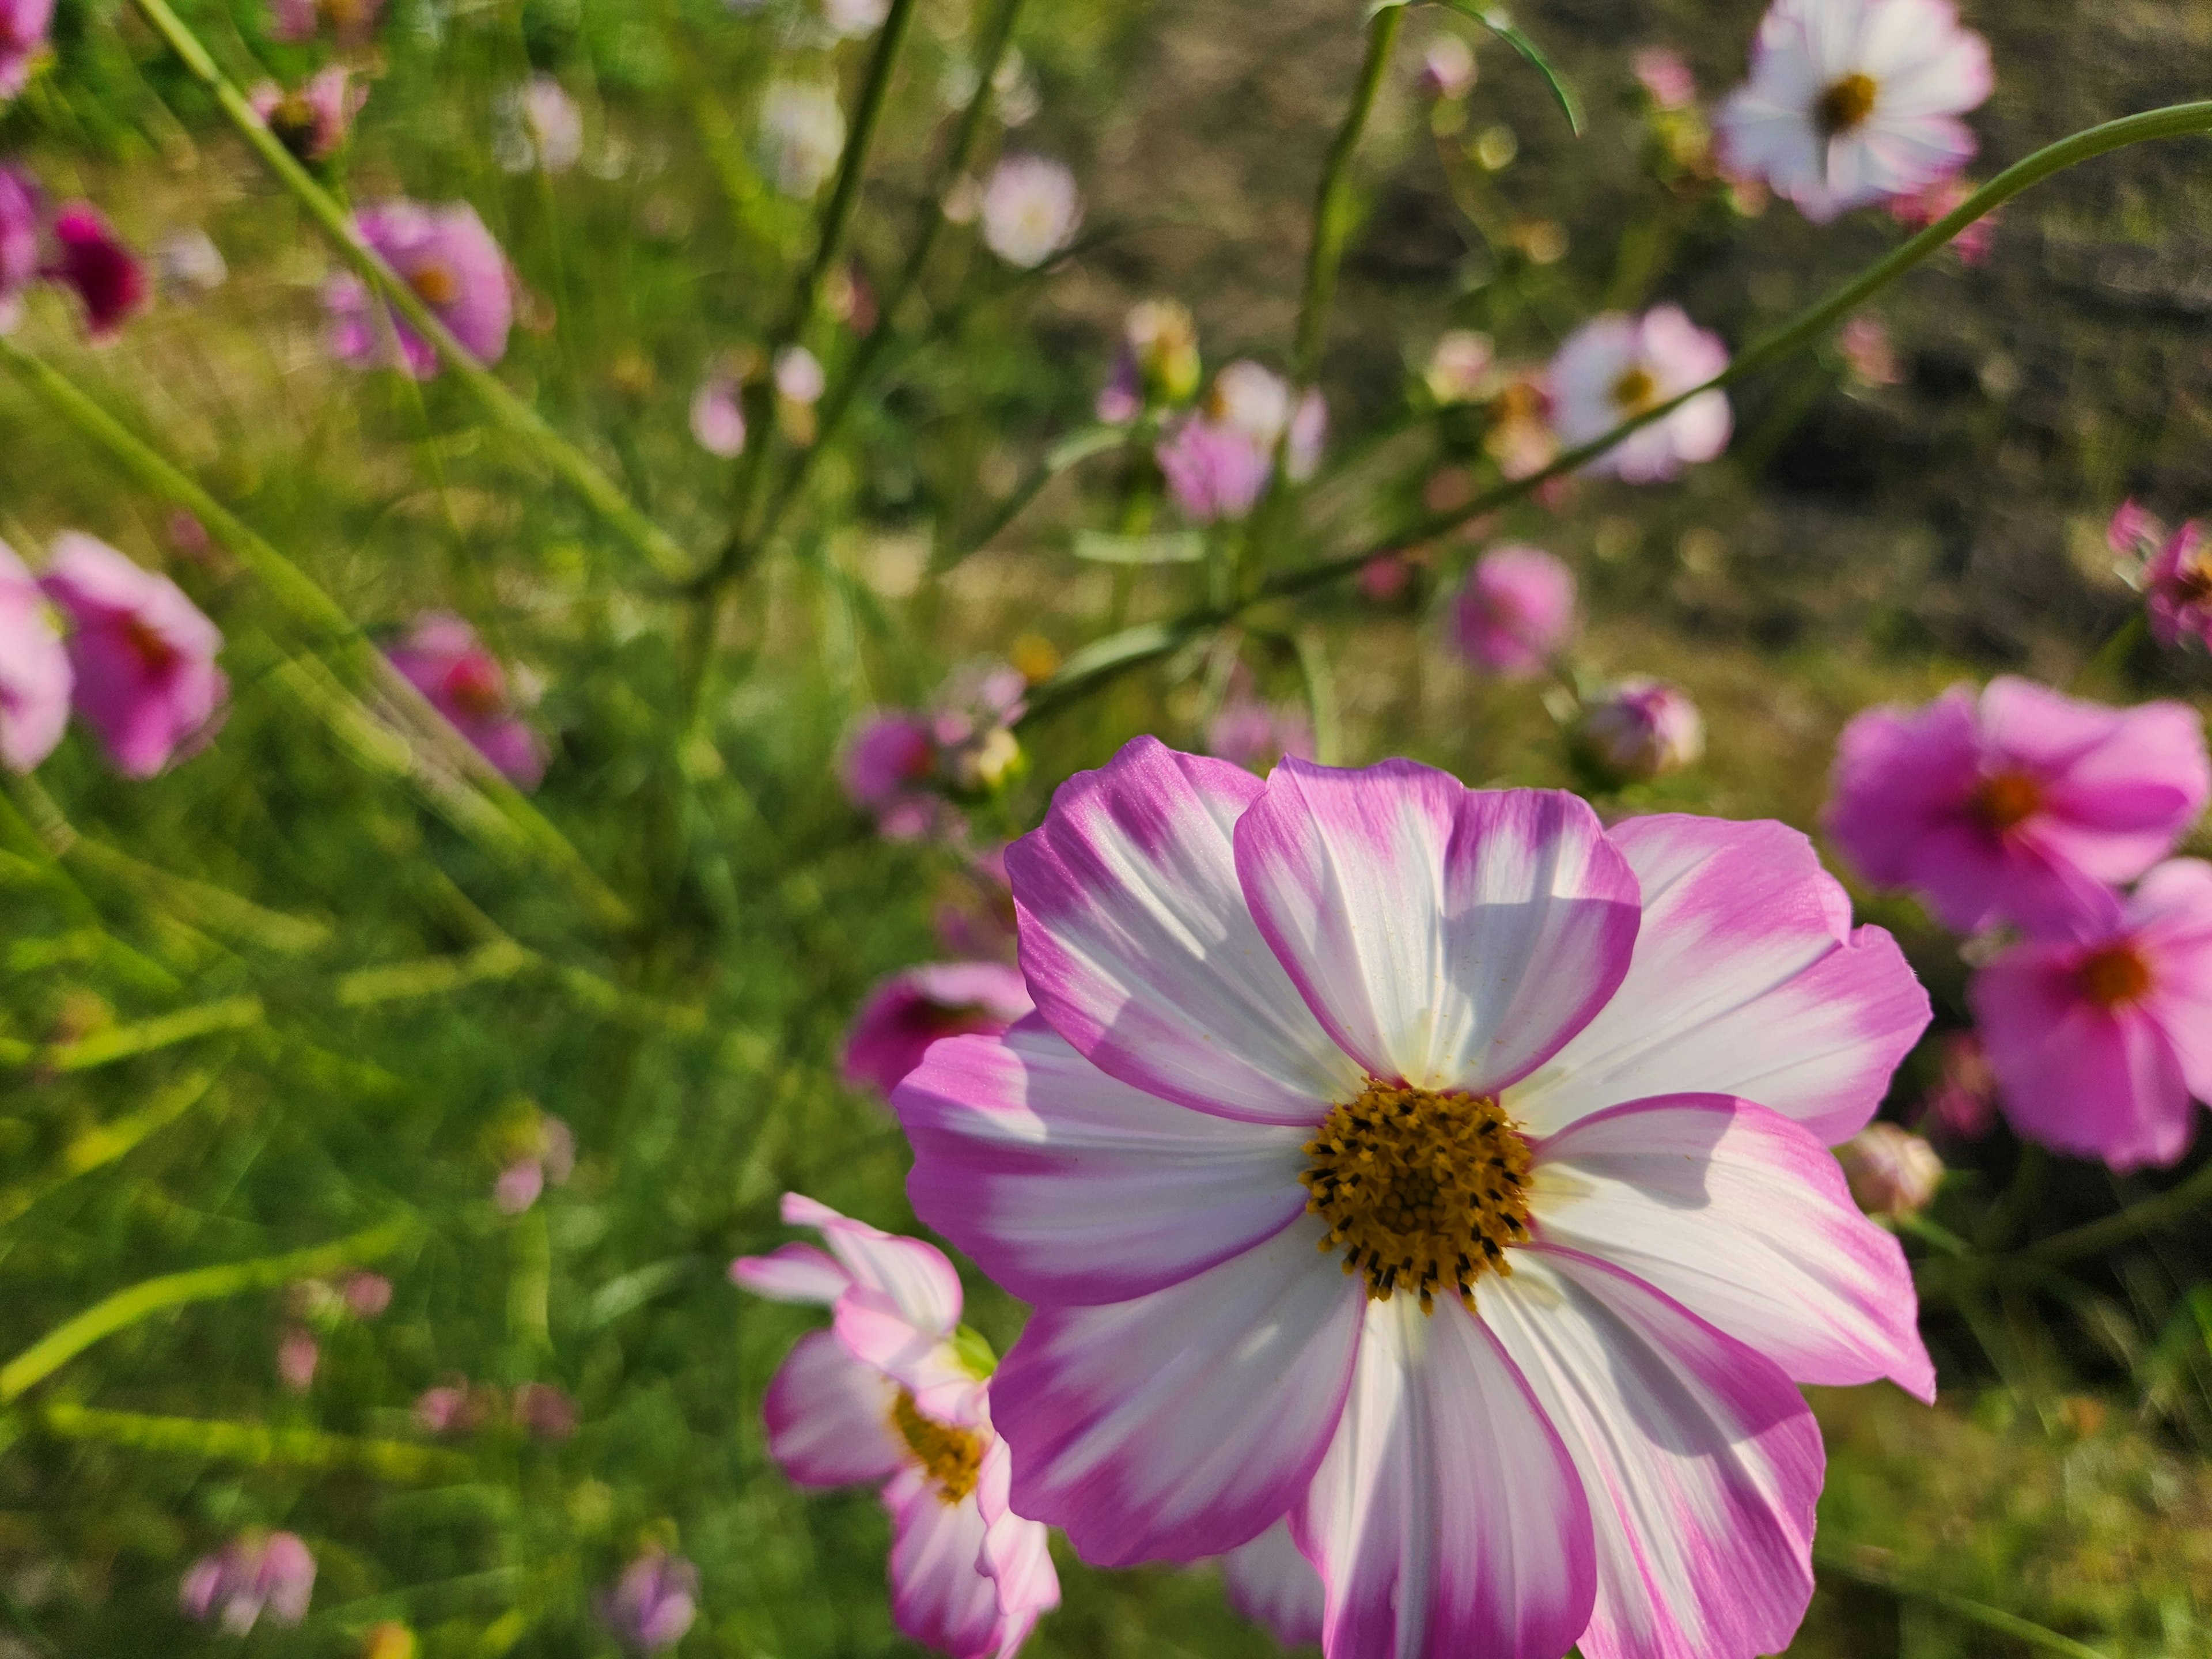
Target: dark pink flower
(254, 1573)
(2017, 804)
(293, 20)
(1641, 728)
(98, 266)
(915, 1006)
(2177, 583)
(652, 1603)
(144, 656)
(21, 209)
(1385, 579)
(2134, 532)
(1515, 611)
(893, 754)
(441, 658)
(35, 676)
(2101, 1038)
(447, 257)
(315, 120)
(23, 26)
(1216, 469)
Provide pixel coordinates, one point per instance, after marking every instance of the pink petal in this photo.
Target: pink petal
(1448, 938)
(1017, 1552)
(1743, 1217)
(1747, 979)
(1701, 1461)
(1447, 1519)
(912, 1278)
(791, 1272)
(1141, 951)
(829, 1417)
(940, 1596)
(1271, 1583)
(1069, 1186)
(1179, 1425)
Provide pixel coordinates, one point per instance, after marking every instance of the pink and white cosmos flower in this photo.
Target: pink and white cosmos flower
(1853, 101)
(441, 657)
(917, 1006)
(1515, 611)
(447, 257)
(884, 1398)
(1615, 366)
(1443, 1172)
(1273, 1585)
(2101, 1039)
(35, 676)
(2017, 804)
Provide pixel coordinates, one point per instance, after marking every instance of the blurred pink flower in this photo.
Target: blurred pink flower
(718, 416)
(447, 257)
(99, 267)
(892, 753)
(1031, 209)
(351, 20)
(2100, 1037)
(1863, 344)
(366, 1295)
(35, 676)
(1616, 366)
(2177, 581)
(1386, 579)
(551, 1158)
(1923, 208)
(2134, 532)
(1853, 101)
(441, 658)
(1963, 1104)
(543, 1412)
(799, 375)
(1270, 1583)
(652, 1605)
(23, 26)
(1448, 68)
(1215, 470)
(1640, 729)
(144, 657)
(254, 1573)
(1459, 366)
(540, 125)
(22, 211)
(2017, 803)
(915, 1006)
(1892, 1171)
(449, 1408)
(315, 120)
(297, 1356)
(1515, 612)
(293, 20)
(1255, 734)
(1665, 78)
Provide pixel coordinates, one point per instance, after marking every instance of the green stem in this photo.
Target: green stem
(1978, 1612)
(127, 1307)
(98, 1147)
(563, 458)
(2176, 1204)
(254, 1443)
(2112, 655)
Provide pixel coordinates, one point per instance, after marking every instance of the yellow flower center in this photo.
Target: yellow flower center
(2008, 800)
(1847, 104)
(951, 1457)
(1635, 391)
(436, 284)
(1420, 1190)
(2115, 977)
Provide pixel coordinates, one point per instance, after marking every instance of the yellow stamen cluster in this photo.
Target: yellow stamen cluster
(951, 1457)
(1845, 105)
(1420, 1190)
(434, 283)
(1636, 391)
(2007, 800)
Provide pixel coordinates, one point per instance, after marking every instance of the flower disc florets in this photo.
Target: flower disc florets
(1420, 1189)
(952, 1458)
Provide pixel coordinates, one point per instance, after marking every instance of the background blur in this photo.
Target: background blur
(395, 1007)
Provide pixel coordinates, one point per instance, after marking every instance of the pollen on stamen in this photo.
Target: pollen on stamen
(952, 1458)
(1422, 1192)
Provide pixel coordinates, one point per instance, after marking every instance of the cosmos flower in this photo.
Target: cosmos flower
(540, 125)
(718, 416)
(802, 134)
(1614, 367)
(1255, 733)
(253, 1574)
(35, 676)
(887, 1397)
(1216, 472)
(144, 655)
(1273, 1585)
(99, 267)
(447, 257)
(23, 26)
(1853, 101)
(22, 211)
(2177, 583)
(915, 1006)
(1031, 210)
(1640, 728)
(650, 1606)
(315, 121)
(441, 657)
(2017, 803)
(1444, 1172)
(1892, 1171)
(1665, 77)
(2101, 1036)
(892, 757)
(1515, 611)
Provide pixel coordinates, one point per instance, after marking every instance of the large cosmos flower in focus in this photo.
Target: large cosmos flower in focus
(1443, 1172)
(1854, 101)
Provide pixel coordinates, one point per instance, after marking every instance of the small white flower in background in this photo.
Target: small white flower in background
(540, 125)
(1448, 68)
(1615, 366)
(851, 19)
(718, 416)
(1031, 209)
(1854, 101)
(799, 375)
(1459, 366)
(1254, 401)
(190, 263)
(802, 134)
(1018, 99)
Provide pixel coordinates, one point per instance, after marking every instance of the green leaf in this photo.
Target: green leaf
(1169, 547)
(1499, 23)
(974, 1352)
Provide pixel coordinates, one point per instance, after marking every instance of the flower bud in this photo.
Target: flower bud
(1641, 729)
(1892, 1171)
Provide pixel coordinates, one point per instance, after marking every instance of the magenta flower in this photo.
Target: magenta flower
(2020, 805)
(1515, 612)
(1892, 1171)
(1639, 729)
(35, 676)
(253, 1574)
(144, 657)
(447, 257)
(1851, 101)
(912, 1009)
(22, 212)
(1614, 367)
(98, 266)
(1272, 1584)
(351, 20)
(1963, 1104)
(886, 1398)
(441, 658)
(2176, 582)
(315, 121)
(652, 1603)
(1216, 470)
(1443, 1172)
(293, 20)
(23, 26)
(893, 754)
(2100, 1039)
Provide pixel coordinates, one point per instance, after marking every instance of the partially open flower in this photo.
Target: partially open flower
(447, 257)
(2177, 581)
(253, 1574)
(1892, 1171)
(1031, 209)
(1158, 363)
(99, 267)
(1615, 368)
(1641, 728)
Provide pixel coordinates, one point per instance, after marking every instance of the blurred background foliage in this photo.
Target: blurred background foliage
(273, 999)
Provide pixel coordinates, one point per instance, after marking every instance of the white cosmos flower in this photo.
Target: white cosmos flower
(1031, 209)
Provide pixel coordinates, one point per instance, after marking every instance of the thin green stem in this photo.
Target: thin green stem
(2028, 1630)
(127, 1307)
(2092, 1238)
(95, 1148)
(519, 420)
(255, 1443)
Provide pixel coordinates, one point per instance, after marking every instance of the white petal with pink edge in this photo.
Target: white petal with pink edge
(1140, 951)
(1272, 1584)
(1068, 1186)
(1450, 937)
(940, 1596)
(1700, 1458)
(923, 1364)
(1447, 1518)
(1181, 1423)
(1747, 979)
(829, 1417)
(791, 1272)
(1743, 1217)
(1017, 1552)
(907, 1275)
